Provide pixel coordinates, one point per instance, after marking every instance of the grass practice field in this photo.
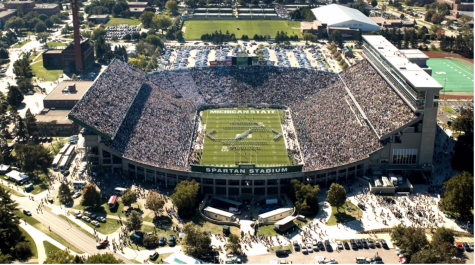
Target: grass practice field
(195, 28)
(229, 126)
(458, 73)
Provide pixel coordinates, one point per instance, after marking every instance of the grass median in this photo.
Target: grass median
(50, 249)
(345, 214)
(36, 224)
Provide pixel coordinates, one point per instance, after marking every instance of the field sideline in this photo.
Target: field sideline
(458, 77)
(228, 126)
(196, 28)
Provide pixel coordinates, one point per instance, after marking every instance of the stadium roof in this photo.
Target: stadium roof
(341, 16)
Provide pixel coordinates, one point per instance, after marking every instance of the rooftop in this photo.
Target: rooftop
(410, 71)
(274, 212)
(61, 116)
(138, 3)
(54, 51)
(414, 53)
(336, 14)
(58, 94)
(137, 9)
(7, 12)
(99, 16)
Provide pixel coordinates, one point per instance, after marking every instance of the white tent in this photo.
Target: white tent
(16, 176)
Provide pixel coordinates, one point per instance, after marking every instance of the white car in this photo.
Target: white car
(77, 195)
(95, 223)
(309, 248)
(85, 218)
(101, 219)
(339, 244)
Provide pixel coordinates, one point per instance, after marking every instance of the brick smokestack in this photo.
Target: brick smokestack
(77, 38)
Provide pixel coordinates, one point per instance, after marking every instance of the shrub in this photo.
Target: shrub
(22, 251)
(150, 241)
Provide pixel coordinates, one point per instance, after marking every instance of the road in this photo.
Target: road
(64, 229)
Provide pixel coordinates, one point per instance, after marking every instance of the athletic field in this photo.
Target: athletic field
(457, 72)
(195, 28)
(236, 136)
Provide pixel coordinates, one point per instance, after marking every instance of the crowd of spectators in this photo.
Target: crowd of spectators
(106, 102)
(159, 126)
(281, 11)
(384, 108)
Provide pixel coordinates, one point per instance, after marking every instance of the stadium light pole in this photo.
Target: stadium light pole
(443, 89)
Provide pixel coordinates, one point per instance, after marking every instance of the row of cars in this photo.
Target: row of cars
(355, 244)
(90, 218)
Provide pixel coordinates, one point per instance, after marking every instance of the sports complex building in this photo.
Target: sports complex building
(244, 131)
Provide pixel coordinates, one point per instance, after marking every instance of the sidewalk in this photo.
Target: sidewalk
(39, 237)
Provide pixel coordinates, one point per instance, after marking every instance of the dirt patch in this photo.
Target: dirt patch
(184, 29)
(445, 55)
(456, 96)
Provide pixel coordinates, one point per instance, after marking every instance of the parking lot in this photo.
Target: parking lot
(443, 115)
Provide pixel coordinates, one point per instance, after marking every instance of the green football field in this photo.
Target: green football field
(223, 126)
(459, 77)
(195, 28)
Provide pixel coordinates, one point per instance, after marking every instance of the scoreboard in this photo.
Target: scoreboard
(245, 60)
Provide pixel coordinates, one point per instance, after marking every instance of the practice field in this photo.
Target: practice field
(459, 76)
(236, 136)
(195, 28)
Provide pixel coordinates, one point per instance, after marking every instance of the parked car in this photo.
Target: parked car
(296, 245)
(101, 219)
(85, 218)
(466, 246)
(171, 240)
(102, 244)
(377, 243)
(339, 244)
(78, 216)
(27, 212)
(95, 223)
(383, 243)
(363, 242)
(370, 243)
(162, 241)
(321, 246)
(280, 253)
(376, 260)
(304, 248)
(459, 246)
(359, 244)
(346, 245)
(77, 195)
(328, 246)
(153, 256)
(309, 248)
(93, 216)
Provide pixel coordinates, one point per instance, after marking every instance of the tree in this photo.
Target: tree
(32, 157)
(106, 258)
(64, 193)
(305, 197)
(234, 243)
(155, 202)
(464, 123)
(11, 234)
(196, 241)
(22, 250)
(14, 96)
(411, 239)
(147, 18)
(336, 196)
(155, 40)
(134, 221)
(30, 122)
(443, 235)
(336, 37)
(40, 27)
(90, 195)
(374, 3)
(151, 241)
(15, 23)
(43, 36)
(22, 68)
(160, 22)
(5, 258)
(128, 197)
(185, 197)
(458, 196)
(49, 23)
(309, 37)
(171, 6)
(62, 257)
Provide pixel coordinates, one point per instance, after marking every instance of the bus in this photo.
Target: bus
(119, 190)
(56, 161)
(71, 151)
(64, 149)
(112, 202)
(77, 185)
(64, 164)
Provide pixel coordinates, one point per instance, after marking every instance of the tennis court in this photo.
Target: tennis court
(453, 74)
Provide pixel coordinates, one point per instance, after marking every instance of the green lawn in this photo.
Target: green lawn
(77, 226)
(195, 28)
(354, 213)
(227, 128)
(160, 232)
(448, 109)
(57, 143)
(50, 249)
(22, 43)
(107, 228)
(452, 74)
(43, 73)
(36, 224)
(160, 258)
(267, 230)
(164, 219)
(12, 191)
(116, 21)
(104, 208)
(275, 248)
(56, 44)
(210, 227)
(34, 249)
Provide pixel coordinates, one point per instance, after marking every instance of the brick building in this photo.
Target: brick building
(64, 58)
(5, 15)
(29, 6)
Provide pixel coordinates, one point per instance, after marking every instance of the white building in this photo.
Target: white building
(275, 215)
(16, 176)
(218, 214)
(344, 17)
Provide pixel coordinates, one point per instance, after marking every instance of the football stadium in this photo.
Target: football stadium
(244, 131)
